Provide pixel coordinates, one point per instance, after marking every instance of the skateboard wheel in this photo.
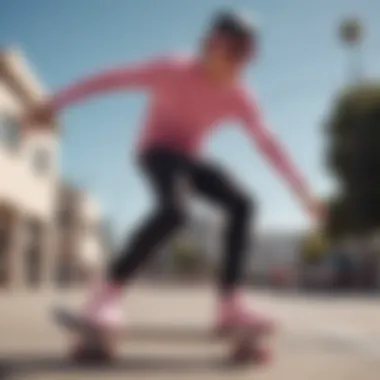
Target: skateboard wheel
(262, 356)
(242, 356)
(250, 353)
(91, 353)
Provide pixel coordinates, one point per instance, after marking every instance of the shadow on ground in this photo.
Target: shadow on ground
(16, 366)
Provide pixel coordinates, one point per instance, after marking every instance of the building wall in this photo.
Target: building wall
(28, 173)
(14, 62)
(36, 241)
(91, 244)
(48, 232)
(81, 248)
(19, 160)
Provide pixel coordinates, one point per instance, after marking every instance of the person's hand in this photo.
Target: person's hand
(39, 117)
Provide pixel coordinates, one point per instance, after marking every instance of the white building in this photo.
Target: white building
(28, 178)
(30, 189)
(81, 246)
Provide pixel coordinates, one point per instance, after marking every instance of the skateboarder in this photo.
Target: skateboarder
(189, 97)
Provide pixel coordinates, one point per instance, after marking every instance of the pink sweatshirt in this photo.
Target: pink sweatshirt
(185, 106)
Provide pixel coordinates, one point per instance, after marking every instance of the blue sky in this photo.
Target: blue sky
(300, 68)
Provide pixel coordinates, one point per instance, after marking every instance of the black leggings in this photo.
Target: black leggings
(171, 175)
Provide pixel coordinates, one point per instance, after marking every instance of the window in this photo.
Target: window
(41, 160)
(9, 132)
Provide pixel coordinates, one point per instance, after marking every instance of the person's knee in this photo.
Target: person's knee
(174, 217)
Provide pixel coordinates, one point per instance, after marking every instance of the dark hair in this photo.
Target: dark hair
(234, 25)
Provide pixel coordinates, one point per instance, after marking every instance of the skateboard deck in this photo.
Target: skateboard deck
(247, 345)
(191, 334)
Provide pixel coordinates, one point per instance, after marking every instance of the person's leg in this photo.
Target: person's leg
(165, 172)
(218, 187)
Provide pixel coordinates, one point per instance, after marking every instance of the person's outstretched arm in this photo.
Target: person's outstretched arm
(141, 76)
(249, 114)
(145, 75)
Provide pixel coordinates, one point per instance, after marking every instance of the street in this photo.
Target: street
(332, 338)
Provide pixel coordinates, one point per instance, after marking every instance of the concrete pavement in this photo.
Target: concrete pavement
(335, 338)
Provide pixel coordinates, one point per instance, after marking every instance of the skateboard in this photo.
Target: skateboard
(97, 345)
